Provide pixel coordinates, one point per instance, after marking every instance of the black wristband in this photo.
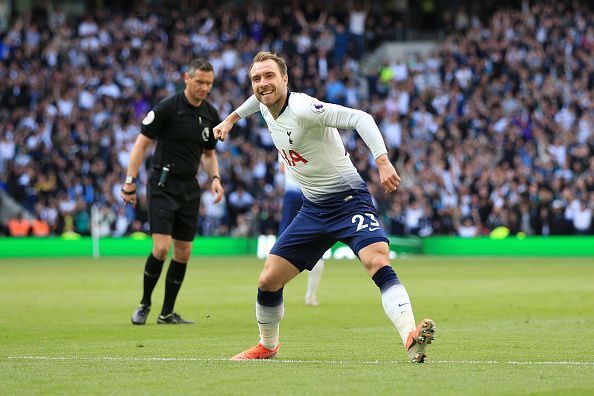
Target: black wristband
(128, 192)
(215, 177)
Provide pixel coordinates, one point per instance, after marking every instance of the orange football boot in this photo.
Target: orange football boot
(257, 352)
(419, 339)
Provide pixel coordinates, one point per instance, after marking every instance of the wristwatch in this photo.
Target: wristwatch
(215, 177)
(130, 180)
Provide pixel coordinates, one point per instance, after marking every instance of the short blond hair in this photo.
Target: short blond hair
(265, 55)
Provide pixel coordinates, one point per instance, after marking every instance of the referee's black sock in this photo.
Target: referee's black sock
(152, 271)
(175, 277)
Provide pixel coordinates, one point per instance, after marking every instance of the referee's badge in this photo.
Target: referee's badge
(150, 117)
(205, 133)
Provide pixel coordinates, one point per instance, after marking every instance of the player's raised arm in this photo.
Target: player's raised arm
(222, 130)
(247, 108)
(336, 116)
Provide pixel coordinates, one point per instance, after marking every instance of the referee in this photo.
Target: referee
(181, 125)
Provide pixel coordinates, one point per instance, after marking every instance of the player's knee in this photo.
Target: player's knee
(376, 262)
(268, 283)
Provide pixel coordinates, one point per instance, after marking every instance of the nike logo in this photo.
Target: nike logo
(403, 304)
(348, 198)
(373, 229)
(263, 323)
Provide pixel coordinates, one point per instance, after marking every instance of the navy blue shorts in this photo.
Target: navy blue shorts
(292, 202)
(348, 217)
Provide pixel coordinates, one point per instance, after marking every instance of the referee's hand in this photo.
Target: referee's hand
(216, 190)
(128, 194)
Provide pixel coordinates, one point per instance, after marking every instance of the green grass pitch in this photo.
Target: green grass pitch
(513, 326)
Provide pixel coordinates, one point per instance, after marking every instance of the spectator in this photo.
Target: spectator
(467, 228)
(40, 227)
(242, 229)
(581, 217)
(19, 226)
(240, 201)
(397, 220)
(105, 221)
(212, 215)
(558, 222)
(82, 218)
(357, 29)
(413, 214)
(120, 227)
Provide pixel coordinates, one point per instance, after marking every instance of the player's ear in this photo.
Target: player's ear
(286, 79)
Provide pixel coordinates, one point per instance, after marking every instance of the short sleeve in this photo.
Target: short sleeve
(153, 122)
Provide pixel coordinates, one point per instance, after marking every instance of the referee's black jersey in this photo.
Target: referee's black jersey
(182, 132)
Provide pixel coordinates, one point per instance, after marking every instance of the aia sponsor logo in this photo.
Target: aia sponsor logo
(292, 157)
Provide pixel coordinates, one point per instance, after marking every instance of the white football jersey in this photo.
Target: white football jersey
(291, 183)
(306, 136)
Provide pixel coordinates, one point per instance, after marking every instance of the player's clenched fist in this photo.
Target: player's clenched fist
(388, 176)
(222, 130)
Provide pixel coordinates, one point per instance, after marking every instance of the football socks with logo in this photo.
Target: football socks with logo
(395, 301)
(313, 280)
(152, 271)
(269, 312)
(175, 277)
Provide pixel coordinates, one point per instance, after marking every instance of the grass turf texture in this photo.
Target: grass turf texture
(505, 325)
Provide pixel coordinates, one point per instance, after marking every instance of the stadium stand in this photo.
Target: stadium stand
(493, 128)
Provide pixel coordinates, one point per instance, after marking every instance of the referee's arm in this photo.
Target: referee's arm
(211, 166)
(128, 192)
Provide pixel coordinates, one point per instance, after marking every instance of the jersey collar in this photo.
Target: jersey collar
(187, 102)
(286, 104)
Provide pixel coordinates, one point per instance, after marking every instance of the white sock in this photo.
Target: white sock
(398, 308)
(268, 323)
(313, 280)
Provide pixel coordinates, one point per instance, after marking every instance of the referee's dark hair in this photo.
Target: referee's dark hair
(199, 64)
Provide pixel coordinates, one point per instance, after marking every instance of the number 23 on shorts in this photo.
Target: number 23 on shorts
(360, 220)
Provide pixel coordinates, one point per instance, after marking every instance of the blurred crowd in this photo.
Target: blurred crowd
(494, 128)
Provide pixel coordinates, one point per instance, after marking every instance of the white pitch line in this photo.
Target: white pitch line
(173, 359)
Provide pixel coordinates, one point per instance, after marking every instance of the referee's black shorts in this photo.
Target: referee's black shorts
(173, 209)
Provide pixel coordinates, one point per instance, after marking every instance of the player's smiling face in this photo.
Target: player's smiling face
(269, 85)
